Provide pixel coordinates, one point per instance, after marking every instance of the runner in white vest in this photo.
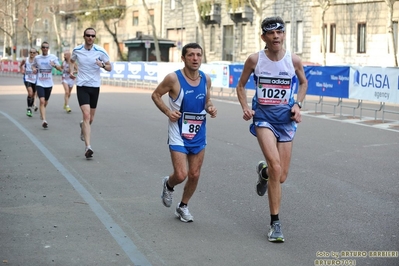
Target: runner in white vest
(42, 66)
(29, 80)
(67, 81)
(274, 111)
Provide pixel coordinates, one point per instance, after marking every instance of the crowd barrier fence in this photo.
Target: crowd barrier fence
(337, 86)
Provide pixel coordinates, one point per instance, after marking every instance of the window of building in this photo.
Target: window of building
(228, 42)
(288, 36)
(212, 39)
(361, 38)
(36, 9)
(333, 36)
(324, 34)
(151, 18)
(106, 47)
(243, 38)
(68, 23)
(172, 4)
(46, 24)
(299, 36)
(135, 18)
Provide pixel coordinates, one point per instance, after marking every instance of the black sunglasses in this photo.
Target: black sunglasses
(32, 52)
(90, 35)
(45, 47)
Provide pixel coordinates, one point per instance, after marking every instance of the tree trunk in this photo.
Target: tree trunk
(323, 45)
(257, 8)
(57, 34)
(114, 35)
(324, 5)
(390, 33)
(200, 30)
(154, 34)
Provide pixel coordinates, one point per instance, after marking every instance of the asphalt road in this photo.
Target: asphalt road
(57, 208)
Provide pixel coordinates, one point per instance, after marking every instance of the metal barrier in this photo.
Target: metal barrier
(359, 102)
(313, 102)
(322, 103)
(231, 93)
(387, 111)
(381, 107)
(371, 109)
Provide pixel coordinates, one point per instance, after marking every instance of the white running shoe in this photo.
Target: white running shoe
(166, 195)
(183, 214)
(82, 136)
(275, 234)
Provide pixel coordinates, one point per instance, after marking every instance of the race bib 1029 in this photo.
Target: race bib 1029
(273, 91)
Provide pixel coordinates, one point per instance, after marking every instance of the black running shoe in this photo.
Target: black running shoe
(89, 153)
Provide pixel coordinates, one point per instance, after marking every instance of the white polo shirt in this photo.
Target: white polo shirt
(89, 71)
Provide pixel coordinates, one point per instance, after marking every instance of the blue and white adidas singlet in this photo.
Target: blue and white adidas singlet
(276, 83)
(190, 129)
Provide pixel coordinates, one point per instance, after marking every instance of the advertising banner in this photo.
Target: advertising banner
(9, 66)
(135, 70)
(379, 84)
(166, 68)
(150, 71)
(219, 74)
(328, 81)
(235, 73)
(119, 70)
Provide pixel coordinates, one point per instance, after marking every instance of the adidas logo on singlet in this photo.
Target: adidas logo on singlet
(281, 81)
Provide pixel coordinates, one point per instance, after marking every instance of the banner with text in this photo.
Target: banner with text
(379, 84)
(327, 81)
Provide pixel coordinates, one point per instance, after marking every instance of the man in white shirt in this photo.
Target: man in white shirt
(90, 58)
(42, 66)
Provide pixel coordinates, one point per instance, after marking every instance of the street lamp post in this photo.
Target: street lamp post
(57, 34)
(16, 38)
(31, 31)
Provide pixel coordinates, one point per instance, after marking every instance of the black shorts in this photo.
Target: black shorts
(30, 84)
(44, 92)
(88, 95)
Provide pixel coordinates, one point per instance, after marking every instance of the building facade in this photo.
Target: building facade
(353, 32)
